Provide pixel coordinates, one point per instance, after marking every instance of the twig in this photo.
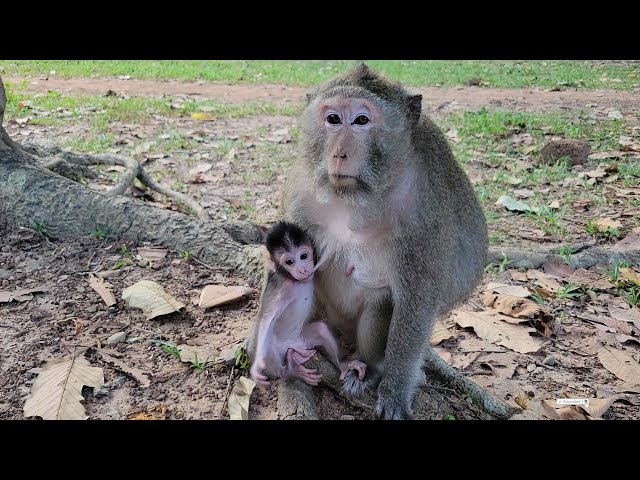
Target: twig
(226, 395)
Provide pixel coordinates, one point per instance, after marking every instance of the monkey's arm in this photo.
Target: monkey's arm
(274, 304)
(414, 311)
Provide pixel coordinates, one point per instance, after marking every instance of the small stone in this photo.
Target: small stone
(531, 367)
(81, 289)
(92, 309)
(4, 274)
(6, 249)
(347, 417)
(33, 265)
(538, 370)
(550, 360)
(117, 338)
(134, 339)
(119, 382)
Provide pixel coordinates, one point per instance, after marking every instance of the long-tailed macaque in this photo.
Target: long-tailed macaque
(377, 188)
(283, 338)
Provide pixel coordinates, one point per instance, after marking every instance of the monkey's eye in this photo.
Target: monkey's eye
(361, 120)
(333, 119)
(303, 256)
(288, 261)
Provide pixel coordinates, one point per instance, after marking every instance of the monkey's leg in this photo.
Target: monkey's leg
(371, 342)
(296, 370)
(410, 326)
(318, 334)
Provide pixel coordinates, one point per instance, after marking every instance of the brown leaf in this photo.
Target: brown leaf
(543, 280)
(152, 254)
(104, 290)
(214, 295)
(605, 223)
(494, 328)
(571, 412)
(621, 364)
(203, 354)
(631, 275)
(159, 412)
(134, 372)
(630, 315)
(201, 168)
(505, 289)
(605, 155)
(513, 306)
(518, 276)
(540, 408)
(590, 279)
(239, 399)
(440, 333)
(21, 295)
(558, 270)
(618, 326)
(151, 298)
(202, 116)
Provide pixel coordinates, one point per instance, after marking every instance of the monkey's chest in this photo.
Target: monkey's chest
(289, 325)
(353, 278)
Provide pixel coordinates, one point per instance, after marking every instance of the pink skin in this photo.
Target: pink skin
(285, 340)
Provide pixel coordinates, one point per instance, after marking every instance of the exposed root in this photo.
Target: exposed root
(583, 256)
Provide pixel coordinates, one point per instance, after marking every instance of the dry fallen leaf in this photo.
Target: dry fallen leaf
(239, 399)
(152, 254)
(214, 295)
(590, 279)
(543, 280)
(21, 295)
(558, 270)
(631, 315)
(512, 204)
(618, 326)
(631, 275)
(159, 412)
(201, 168)
(104, 290)
(628, 242)
(202, 116)
(491, 327)
(512, 306)
(605, 155)
(57, 392)
(151, 298)
(440, 333)
(605, 223)
(540, 408)
(621, 364)
(505, 289)
(136, 373)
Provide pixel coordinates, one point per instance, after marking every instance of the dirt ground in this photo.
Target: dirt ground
(236, 169)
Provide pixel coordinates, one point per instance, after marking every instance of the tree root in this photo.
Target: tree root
(583, 256)
(459, 396)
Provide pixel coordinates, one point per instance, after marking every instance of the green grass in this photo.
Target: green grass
(582, 74)
(55, 108)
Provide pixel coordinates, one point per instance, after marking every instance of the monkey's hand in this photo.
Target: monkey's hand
(391, 405)
(355, 365)
(257, 375)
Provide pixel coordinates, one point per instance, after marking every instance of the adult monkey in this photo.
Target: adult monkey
(378, 189)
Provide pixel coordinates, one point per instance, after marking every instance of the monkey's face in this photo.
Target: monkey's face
(351, 154)
(296, 261)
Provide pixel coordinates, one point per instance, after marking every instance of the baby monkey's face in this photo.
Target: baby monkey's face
(298, 261)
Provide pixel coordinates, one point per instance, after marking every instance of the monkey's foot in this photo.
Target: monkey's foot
(391, 405)
(257, 375)
(311, 376)
(353, 365)
(355, 386)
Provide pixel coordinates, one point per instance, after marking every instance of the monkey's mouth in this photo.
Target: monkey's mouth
(304, 278)
(343, 180)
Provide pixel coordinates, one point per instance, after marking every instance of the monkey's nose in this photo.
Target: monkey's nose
(340, 155)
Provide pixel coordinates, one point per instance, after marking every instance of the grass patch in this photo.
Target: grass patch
(497, 73)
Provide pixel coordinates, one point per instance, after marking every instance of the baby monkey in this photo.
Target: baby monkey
(283, 338)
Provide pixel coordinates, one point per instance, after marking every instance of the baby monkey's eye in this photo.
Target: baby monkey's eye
(288, 261)
(303, 256)
(361, 120)
(333, 119)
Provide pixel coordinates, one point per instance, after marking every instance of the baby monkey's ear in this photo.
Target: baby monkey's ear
(268, 259)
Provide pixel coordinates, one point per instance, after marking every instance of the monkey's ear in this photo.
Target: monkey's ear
(270, 263)
(311, 94)
(414, 102)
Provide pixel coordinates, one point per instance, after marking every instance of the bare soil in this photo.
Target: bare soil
(247, 183)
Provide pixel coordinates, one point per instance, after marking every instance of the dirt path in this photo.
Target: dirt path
(437, 98)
